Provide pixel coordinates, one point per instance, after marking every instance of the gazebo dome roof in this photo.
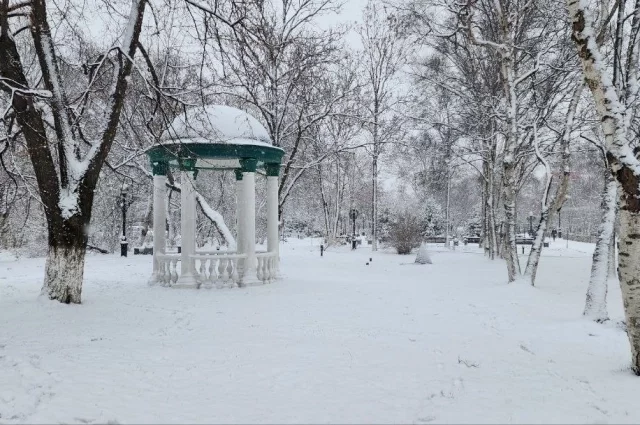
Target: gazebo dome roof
(217, 124)
(215, 137)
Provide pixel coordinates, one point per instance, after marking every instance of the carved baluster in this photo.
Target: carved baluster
(265, 270)
(204, 277)
(162, 270)
(203, 272)
(259, 268)
(167, 272)
(212, 273)
(174, 271)
(235, 277)
(272, 269)
(228, 273)
(220, 269)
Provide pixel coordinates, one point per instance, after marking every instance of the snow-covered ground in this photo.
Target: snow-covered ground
(335, 340)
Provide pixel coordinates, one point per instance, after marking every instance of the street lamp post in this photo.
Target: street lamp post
(123, 204)
(353, 214)
(559, 225)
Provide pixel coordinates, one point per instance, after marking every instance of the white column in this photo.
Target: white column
(249, 222)
(159, 221)
(272, 215)
(187, 230)
(239, 213)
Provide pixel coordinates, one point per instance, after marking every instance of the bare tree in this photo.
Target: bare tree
(66, 171)
(384, 54)
(271, 60)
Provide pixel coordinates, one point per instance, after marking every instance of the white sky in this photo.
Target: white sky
(350, 13)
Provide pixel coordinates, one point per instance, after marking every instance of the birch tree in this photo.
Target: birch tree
(512, 30)
(614, 86)
(553, 197)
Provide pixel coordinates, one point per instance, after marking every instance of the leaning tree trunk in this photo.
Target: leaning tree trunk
(536, 249)
(549, 207)
(596, 303)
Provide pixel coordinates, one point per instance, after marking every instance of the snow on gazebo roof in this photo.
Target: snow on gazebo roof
(216, 124)
(215, 137)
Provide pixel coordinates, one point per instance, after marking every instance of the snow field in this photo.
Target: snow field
(334, 341)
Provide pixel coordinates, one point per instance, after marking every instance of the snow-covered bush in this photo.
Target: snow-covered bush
(423, 255)
(404, 232)
(385, 221)
(433, 219)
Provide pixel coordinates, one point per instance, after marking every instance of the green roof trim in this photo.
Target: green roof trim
(249, 165)
(272, 169)
(159, 168)
(185, 156)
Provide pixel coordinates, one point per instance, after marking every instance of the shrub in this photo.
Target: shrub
(405, 233)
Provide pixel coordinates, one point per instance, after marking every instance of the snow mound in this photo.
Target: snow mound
(423, 256)
(216, 124)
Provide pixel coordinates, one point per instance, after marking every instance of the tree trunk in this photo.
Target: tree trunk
(64, 269)
(613, 264)
(483, 230)
(596, 302)
(510, 248)
(376, 153)
(447, 236)
(325, 205)
(374, 209)
(493, 236)
(536, 249)
(629, 256)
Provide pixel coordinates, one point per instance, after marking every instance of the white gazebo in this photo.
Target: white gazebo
(215, 137)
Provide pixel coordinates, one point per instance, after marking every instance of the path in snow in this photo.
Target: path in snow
(334, 341)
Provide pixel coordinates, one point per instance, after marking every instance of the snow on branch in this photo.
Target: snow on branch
(214, 12)
(608, 103)
(18, 5)
(217, 219)
(213, 215)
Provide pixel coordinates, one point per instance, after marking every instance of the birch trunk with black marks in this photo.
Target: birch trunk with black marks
(509, 182)
(596, 303)
(491, 215)
(613, 259)
(629, 257)
(616, 105)
(510, 251)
